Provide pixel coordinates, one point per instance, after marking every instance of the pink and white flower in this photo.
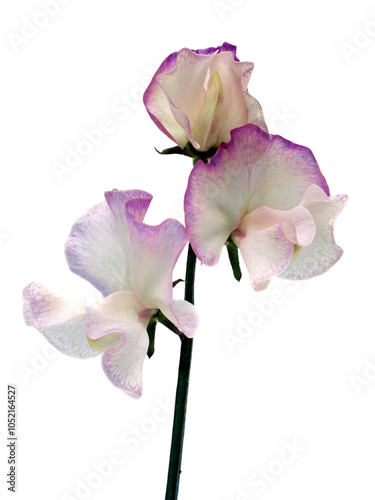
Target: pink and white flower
(201, 95)
(131, 264)
(269, 196)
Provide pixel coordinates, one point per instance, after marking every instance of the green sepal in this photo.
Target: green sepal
(176, 282)
(166, 322)
(233, 259)
(191, 152)
(151, 328)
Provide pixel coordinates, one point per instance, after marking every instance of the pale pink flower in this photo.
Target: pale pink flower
(131, 264)
(269, 196)
(199, 96)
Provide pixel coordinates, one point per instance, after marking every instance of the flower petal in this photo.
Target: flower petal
(208, 122)
(136, 203)
(323, 252)
(123, 365)
(184, 88)
(153, 254)
(266, 239)
(178, 68)
(266, 254)
(184, 316)
(120, 308)
(239, 107)
(254, 169)
(255, 112)
(60, 321)
(119, 319)
(96, 246)
(157, 103)
(297, 224)
(183, 133)
(226, 47)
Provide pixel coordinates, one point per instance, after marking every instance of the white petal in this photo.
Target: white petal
(60, 321)
(297, 224)
(183, 315)
(96, 247)
(323, 252)
(152, 256)
(266, 254)
(184, 89)
(119, 325)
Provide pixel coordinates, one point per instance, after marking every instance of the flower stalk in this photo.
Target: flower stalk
(181, 391)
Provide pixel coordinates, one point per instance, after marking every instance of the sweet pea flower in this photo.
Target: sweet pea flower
(131, 264)
(269, 196)
(201, 95)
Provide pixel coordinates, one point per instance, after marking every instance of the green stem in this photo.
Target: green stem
(181, 391)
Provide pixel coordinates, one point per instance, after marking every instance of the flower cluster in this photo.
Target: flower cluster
(250, 191)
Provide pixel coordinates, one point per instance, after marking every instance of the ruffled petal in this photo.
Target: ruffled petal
(239, 107)
(96, 246)
(60, 321)
(184, 87)
(185, 82)
(254, 109)
(152, 256)
(167, 90)
(297, 224)
(279, 171)
(120, 306)
(118, 325)
(135, 202)
(180, 97)
(323, 252)
(123, 365)
(225, 47)
(266, 254)
(267, 238)
(254, 169)
(157, 103)
(151, 251)
(183, 315)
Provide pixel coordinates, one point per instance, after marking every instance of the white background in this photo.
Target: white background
(300, 375)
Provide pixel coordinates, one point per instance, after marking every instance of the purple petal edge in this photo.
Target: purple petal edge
(168, 65)
(304, 151)
(226, 47)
